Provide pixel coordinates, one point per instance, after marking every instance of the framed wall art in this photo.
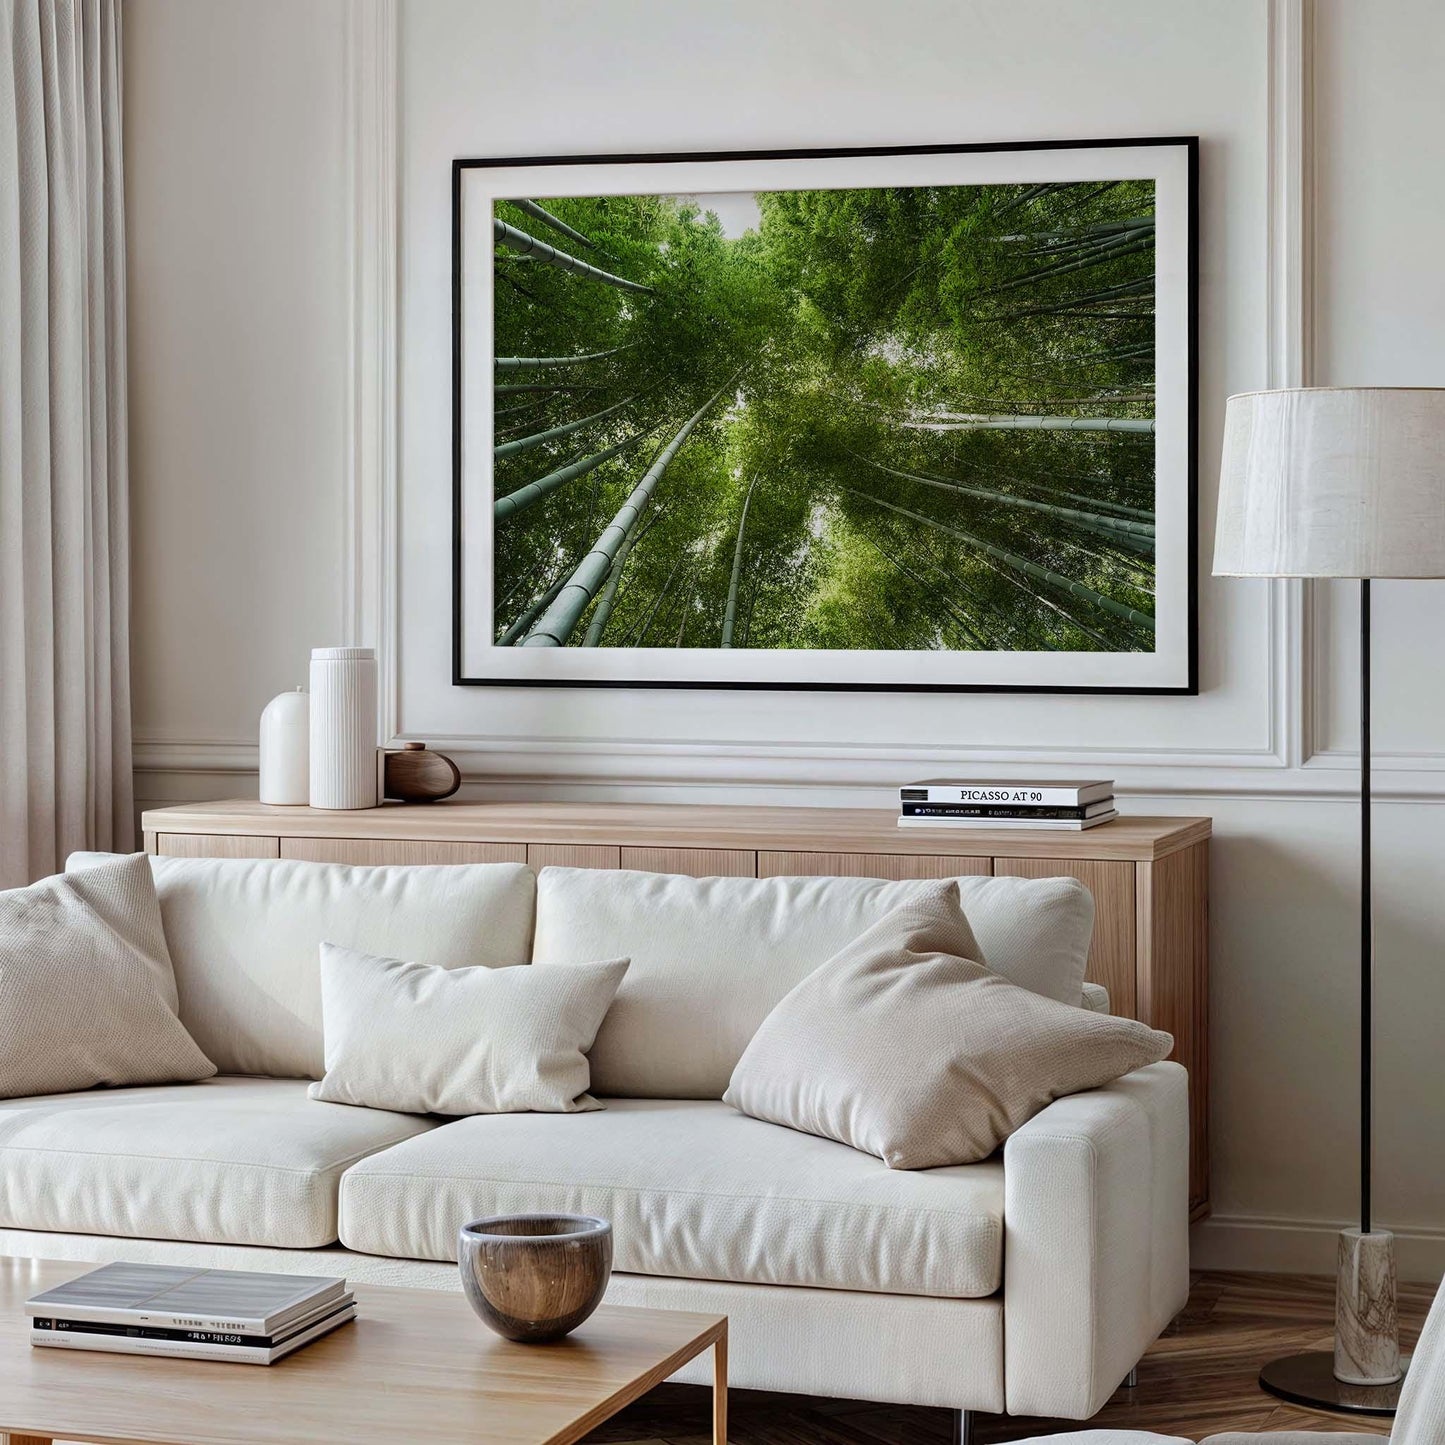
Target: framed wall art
(887, 419)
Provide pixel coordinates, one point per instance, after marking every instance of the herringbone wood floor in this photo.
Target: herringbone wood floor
(1200, 1378)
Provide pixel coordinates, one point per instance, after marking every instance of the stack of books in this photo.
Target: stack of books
(198, 1314)
(1063, 806)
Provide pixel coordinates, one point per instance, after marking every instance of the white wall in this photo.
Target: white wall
(237, 253)
(1264, 749)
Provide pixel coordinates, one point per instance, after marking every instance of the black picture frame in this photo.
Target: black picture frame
(1188, 687)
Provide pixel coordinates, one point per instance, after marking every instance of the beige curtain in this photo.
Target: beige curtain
(65, 779)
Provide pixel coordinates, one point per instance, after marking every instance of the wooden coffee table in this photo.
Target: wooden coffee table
(415, 1365)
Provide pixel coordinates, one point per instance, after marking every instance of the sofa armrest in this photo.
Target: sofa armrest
(1096, 1239)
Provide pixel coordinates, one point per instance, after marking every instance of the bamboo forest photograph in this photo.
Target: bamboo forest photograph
(831, 435)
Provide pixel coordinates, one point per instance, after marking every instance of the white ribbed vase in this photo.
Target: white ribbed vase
(343, 727)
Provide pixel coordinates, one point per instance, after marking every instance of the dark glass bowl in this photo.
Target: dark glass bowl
(535, 1277)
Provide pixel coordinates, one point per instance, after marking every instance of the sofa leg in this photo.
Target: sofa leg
(1132, 1378)
(962, 1427)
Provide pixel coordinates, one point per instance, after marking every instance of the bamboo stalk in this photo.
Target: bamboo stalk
(556, 433)
(1139, 535)
(530, 363)
(987, 604)
(1098, 228)
(531, 208)
(644, 627)
(977, 639)
(1078, 305)
(1079, 263)
(525, 245)
(511, 388)
(731, 611)
(1097, 504)
(962, 422)
(561, 617)
(533, 492)
(1022, 564)
(1083, 245)
(538, 605)
(605, 603)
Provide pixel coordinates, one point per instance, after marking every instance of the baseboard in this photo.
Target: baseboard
(1259, 1245)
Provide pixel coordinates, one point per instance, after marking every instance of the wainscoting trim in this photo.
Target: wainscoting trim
(1302, 1246)
(574, 768)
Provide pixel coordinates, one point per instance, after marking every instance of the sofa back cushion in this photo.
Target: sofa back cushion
(245, 938)
(712, 956)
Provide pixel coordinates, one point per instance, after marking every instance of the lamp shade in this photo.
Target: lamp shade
(1333, 482)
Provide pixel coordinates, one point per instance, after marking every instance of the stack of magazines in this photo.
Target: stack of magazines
(197, 1314)
(958, 803)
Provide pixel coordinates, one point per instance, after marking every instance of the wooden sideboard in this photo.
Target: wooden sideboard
(1149, 876)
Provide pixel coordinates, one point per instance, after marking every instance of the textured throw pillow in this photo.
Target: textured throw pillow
(87, 995)
(903, 1046)
(417, 1038)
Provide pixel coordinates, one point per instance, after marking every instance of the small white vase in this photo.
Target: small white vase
(343, 727)
(286, 749)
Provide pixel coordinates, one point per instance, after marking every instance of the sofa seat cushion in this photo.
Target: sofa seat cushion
(694, 1190)
(228, 1161)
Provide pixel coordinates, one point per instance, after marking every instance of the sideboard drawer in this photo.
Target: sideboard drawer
(398, 850)
(574, 855)
(694, 862)
(869, 865)
(216, 845)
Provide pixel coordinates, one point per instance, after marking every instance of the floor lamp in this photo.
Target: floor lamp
(1341, 482)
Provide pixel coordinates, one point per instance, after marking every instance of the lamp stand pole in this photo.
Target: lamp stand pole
(1363, 1374)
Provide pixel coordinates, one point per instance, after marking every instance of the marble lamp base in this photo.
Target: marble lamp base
(1367, 1321)
(1364, 1373)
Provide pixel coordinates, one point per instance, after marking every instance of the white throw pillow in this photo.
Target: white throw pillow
(245, 936)
(87, 994)
(904, 1046)
(711, 956)
(418, 1039)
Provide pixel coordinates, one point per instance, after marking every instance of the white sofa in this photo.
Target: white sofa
(1029, 1283)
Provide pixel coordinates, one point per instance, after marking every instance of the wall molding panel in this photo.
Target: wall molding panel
(369, 582)
(1287, 764)
(1289, 333)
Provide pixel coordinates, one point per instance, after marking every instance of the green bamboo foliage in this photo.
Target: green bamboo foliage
(976, 363)
(1138, 535)
(1020, 564)
(562, 616)
(525, 245)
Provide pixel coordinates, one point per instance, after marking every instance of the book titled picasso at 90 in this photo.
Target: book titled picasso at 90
(1008, 792)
